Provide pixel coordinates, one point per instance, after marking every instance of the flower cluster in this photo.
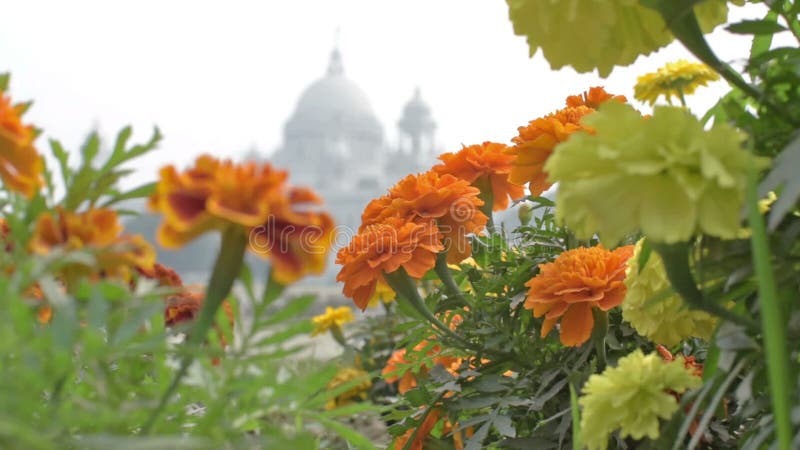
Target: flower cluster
(632, 397)
(665, 176)
(332, 318)
(536, 141)
(97, 231)
(571, 286)
(654, 310)
(252, 198)
(348, 376)
(599, 34)
(676, 79)
(421, 216)
(486, 166)
(20, 163)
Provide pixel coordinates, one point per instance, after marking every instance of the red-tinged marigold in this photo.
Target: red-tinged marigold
(296, 238)
(20, 164)
(184, 307)
(452, 202)
(483, 165)
(214, 195)
(577, 281)
(97, 231)
(535, 142)
(383, 248)
(165, 276)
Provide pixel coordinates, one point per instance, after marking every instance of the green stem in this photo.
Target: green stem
(446, 276)
(485, 185)
(599, 333)
(681, 97)
(676, 263)
(272, 290)
(774, 326)
(226, 269)
(405, 288)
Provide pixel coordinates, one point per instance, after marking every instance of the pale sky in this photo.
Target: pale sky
(223, 77)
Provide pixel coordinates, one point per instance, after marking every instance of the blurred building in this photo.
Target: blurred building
(334, 143)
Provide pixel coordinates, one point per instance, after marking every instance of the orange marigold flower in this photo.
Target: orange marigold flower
(569, 287)
(20, 163)
(397, 367)
(383, 248)
(98, 231)
(393, 369)
(423, 433)
(593, 98)
(213, 195)
(453, 202)
(487, 164)
(535, 142)
(296, 238)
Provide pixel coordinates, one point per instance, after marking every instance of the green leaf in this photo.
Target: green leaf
(4, 79)
(63, 160)
(142, 191)
(783, 174)
(755, 27)
(350, 435)
(293, 308)
(762, 42)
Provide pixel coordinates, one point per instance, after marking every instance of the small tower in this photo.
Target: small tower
(416, 128)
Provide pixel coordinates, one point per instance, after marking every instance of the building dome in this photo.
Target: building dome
(334, 107)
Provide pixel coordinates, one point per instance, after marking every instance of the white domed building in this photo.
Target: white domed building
(334, 143)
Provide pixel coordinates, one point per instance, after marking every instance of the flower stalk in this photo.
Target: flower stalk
(226, 269)
(772, 322)
(446, 276)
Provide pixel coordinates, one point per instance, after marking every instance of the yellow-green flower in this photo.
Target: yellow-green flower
(599, 34)
(665, 176)
(654, 310)
(676, 79)
(632, 397)
(331, 318)
(360, 384)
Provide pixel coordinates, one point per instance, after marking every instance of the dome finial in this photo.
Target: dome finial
(335, 66)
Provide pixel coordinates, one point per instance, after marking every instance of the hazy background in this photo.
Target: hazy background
(223, 77)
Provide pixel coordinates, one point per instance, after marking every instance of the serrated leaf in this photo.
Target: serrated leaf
(142, 191)
(783, 174)
(755, 27)
(504, 426)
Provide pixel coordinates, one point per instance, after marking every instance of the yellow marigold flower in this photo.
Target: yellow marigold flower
(665, 319)
(568, 288)
(20, 163)
(383, 293)
(676, 79)
(96, 230)
(599, 34)
(349, 375)
(488, 163)
(331, 318)
(632, 397)
(665, 176)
